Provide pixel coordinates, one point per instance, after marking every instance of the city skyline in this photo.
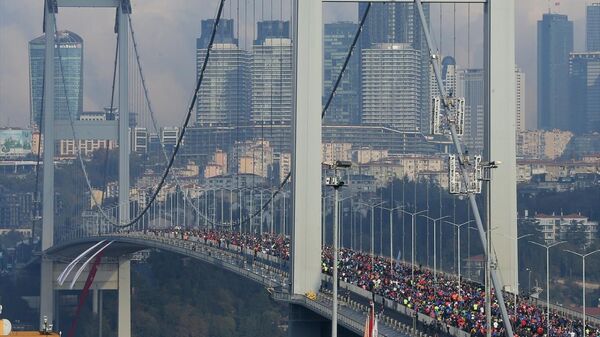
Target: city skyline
(176, 83)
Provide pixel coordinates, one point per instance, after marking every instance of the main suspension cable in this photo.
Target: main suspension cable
(153, 117)
(177, 145)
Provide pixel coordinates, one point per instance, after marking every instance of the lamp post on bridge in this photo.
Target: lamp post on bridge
(391, 210)
(583, 256)
(336, 182)
(413, 237)
(435, 220)
(548, 246)
(373, 206)
(458, 256)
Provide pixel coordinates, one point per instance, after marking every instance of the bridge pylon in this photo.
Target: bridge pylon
(52, 131)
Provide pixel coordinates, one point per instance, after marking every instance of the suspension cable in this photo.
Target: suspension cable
(179, 138)
(347, 60)
(465, 176)
(153, 116)
(325, 108)
(112, 103)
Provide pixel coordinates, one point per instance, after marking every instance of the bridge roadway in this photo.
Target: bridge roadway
(264, 269)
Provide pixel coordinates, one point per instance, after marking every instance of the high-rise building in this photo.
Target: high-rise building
(585, 92)
(470, 85)
(272, 29)
(224, 97)
(520, 108)
(68, 80)
(593, 27)
(401, 23)
(272, 76)
(223, 35)
(345, 108)
(555, 42)
(391, 86)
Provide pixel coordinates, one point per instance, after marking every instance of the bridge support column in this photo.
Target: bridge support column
(500, 102)
(306, 168)
(123, 31)
(47, 129)
(124, 319)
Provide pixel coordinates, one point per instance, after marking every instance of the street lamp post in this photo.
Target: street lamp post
(548, 246)
(373, 206)
(336, 182)
(391, 210)
(583, 256)
(458, 226)
(413, 215)
(435, 221)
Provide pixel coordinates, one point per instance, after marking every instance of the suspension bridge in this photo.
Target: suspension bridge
(101, 243)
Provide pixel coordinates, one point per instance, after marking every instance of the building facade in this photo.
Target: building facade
(224, 97)
(345, 107)
(574, 227)
(391, 86)
(520, 108)
(272, 82)
(593, 27)
(400, 23)
(68, 79)
(585, 91)
(555, 42)
(470, 85)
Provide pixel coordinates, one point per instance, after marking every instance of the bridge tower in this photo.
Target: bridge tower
(499, 63)
(54, 130)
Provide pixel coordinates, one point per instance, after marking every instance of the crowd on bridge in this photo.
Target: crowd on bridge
(437, 296)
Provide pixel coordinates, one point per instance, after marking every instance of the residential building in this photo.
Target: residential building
(272, 82)
(555, 42)
(576, 228)
(254, 157)
(224, 97)
(391, 86)
(585, 92)
(332, 152)
(168, 137)
(540, 144)
(393, 23)
(68, 79)
(366, 155)
(345, 107)
(139, 140)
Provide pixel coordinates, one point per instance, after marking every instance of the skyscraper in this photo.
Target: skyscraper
(470, 85)
(520, 108)
(345, 108)
(68, 80)
(272, 77)
(272, 29)
(224, 33)
(401, 23)
(224, 97)
(593, 27)
(585, 92)
(555, 42)
(391, 83)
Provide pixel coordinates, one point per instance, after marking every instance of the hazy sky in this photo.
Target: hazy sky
(166, 31)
